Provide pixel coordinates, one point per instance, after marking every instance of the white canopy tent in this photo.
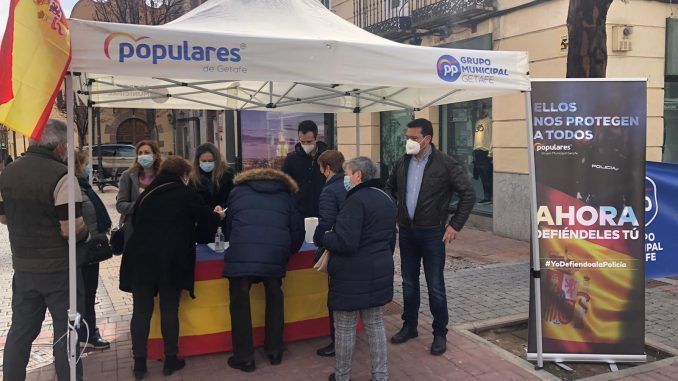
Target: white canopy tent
(282, 55)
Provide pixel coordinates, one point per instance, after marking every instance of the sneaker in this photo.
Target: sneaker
(327, 351)
(405, 334)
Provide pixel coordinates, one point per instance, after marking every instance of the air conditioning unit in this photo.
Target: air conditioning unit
(621, 38)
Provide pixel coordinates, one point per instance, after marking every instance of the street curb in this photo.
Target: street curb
(467, 330)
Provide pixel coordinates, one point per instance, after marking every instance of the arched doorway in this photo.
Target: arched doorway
(132, 131)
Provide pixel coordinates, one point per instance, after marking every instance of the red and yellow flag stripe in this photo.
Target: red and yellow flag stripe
(205, 322)
(34, 56)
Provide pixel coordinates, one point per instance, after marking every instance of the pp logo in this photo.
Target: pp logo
(651, 204)
(449, 68)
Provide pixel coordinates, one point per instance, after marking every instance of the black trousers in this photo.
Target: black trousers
(241, 317)
(32, 295)
(90, 277)
(141, 318)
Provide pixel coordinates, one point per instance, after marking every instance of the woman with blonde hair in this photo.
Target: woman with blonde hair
(134, 180)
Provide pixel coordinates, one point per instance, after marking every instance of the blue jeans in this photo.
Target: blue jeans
(427, 245)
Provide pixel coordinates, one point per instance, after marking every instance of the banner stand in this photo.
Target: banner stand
(609, 250)
(536, 265)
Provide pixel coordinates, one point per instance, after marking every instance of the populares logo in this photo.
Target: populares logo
(651, 204)
(130, 47)
(539, 147)
(449, 68)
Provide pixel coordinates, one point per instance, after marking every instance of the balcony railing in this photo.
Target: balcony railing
(386, 18)
(429, 14)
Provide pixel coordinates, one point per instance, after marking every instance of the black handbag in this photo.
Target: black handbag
(117, 242)
(98, 249)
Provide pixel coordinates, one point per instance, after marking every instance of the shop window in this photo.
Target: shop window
(670, 154)
(466, 130)
(392, 139)
(267, 137)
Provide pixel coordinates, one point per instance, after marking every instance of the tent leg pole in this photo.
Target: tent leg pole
(536, 262)
(73, 317)
(357, 126)
(90, 132)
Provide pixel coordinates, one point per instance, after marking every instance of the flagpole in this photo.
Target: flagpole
(73, 317)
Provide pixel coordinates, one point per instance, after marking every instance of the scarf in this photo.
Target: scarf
(103, 219)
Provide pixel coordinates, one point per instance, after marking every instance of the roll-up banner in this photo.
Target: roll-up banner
(589, 155)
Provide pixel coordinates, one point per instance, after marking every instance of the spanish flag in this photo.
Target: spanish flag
(205, 322)
(34, 56)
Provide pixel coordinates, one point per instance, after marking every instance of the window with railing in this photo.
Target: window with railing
(387, 18)
(429, 14)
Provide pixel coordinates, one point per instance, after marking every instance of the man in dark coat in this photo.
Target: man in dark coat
(423, 182)
(361, 266)
(302, 166)
(263, 228)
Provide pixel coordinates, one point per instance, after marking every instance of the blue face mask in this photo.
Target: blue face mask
(145, 161)
(347, 183)
(207, 166)
(88, 169)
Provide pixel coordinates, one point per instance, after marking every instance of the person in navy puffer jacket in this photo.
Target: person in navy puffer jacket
(264, 228)
(332, 199)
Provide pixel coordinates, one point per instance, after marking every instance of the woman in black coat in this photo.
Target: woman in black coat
(211, 177)
(361, 266)
(332, 199)
(160, 257)
(264, 228)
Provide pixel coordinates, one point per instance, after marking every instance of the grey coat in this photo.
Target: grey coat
(128, 192)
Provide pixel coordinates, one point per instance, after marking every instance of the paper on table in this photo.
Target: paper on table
(310, 223)
(211, 246)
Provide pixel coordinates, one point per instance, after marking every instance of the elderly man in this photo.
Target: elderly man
(34, 206)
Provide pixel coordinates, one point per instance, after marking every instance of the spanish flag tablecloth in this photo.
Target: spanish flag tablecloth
(205, 322)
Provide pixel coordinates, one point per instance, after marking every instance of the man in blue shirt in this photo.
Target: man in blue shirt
(423, 183)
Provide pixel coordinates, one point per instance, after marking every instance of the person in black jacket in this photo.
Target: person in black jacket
(264, 228)
(302, 166)
(423, 182)
(211, 177)
(361, 266)
(331, 200)
(160, 257)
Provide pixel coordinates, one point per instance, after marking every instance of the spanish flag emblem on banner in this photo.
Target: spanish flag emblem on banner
(34, 56)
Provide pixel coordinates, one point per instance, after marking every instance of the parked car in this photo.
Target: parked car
(116, 158)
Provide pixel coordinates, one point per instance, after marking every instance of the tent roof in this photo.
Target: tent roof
(295, 55)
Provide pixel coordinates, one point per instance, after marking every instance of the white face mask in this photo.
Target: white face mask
(412, 147)
(308, 148)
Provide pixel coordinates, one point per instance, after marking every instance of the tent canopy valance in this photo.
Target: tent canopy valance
(288, 55)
